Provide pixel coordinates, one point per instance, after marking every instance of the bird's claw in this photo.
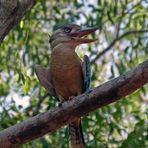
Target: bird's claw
(71, 97)
(61, 102)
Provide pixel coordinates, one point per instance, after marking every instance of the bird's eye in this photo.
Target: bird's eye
(67, 29)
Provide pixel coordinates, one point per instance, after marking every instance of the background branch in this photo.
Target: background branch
(115, 40)
(104, 94)
(37, 108)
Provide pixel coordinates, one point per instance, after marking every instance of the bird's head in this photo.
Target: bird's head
(71, 35)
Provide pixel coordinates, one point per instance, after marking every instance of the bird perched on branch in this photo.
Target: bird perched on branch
(68, 75)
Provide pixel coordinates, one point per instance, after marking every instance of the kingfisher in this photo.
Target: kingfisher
(67, 75)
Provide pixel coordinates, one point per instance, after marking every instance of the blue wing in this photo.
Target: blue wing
(86, 73)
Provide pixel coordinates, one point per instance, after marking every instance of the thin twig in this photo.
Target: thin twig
(115, 40)
(41, 99)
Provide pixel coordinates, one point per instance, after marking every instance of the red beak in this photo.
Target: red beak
(79, 34)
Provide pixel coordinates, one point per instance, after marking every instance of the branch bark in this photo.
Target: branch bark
(104, 94)
(11, 12)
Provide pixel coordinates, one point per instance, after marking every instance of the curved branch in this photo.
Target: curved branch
(117, 39)
(104, 94)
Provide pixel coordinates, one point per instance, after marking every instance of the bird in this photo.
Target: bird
(67, 75)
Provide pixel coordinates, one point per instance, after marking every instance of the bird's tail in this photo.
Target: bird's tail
(76, 139)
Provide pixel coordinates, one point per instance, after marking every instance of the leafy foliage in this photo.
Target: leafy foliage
(121, 124)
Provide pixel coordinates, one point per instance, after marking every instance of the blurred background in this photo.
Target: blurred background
(122, 44)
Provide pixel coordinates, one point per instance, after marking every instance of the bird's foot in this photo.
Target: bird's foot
(71, 97)
(61, 102)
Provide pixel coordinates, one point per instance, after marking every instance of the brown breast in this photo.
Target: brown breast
(66, 73)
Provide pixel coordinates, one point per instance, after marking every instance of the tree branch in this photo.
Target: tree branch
(117, 39)
(104, 94)
(11, 12)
